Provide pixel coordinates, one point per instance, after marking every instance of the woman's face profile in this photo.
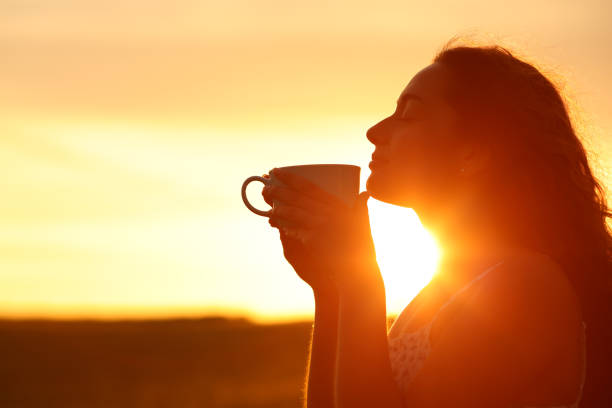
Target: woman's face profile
(417, 144)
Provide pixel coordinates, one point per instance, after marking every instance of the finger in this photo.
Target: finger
(298, 217)
(281, 223)
(283, 227)
(273, 222)
(361, 202)
(307, 187)
(265, 189)
(289, 234)
(297, 199)
(265, 193)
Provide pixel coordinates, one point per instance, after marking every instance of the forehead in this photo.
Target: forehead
(429, 86)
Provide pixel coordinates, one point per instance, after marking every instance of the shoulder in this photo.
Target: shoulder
(529, 292)
(529, 305)
(519, 319)
(530, 283)
(529, 269)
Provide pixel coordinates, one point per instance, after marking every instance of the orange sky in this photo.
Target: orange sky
(128, 127)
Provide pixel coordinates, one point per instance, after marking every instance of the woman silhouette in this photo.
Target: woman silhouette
(482, 148)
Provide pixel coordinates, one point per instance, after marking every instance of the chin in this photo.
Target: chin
(380, 190)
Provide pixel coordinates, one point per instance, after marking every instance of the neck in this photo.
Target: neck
(469, 240)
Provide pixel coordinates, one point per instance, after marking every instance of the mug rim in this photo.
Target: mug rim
(323, 164)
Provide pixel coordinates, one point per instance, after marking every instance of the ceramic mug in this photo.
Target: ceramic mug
(341, 180)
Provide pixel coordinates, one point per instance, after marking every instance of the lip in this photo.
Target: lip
(377, 164)
(378, 157)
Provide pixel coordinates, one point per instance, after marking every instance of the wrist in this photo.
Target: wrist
(362, 291)
(359, 279)
(325, 294)
(360, 300)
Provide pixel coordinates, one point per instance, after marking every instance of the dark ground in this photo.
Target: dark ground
(183, 363)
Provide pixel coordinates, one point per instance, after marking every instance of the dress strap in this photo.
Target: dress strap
(584, 362)
(468, 285)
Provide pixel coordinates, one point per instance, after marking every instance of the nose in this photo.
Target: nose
(378, 134)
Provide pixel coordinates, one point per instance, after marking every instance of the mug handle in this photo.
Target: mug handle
(246, 200)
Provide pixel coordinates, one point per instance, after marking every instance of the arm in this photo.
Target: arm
(322, 359)
(364, 377)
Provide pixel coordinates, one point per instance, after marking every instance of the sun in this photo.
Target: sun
(406, 252)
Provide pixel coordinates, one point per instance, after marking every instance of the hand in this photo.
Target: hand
(338, 244)
(299, 255)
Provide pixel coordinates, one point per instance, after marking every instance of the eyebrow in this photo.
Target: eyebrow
(408, 96)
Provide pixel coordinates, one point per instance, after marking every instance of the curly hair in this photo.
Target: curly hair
(541, 185)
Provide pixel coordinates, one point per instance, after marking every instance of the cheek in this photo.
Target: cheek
(422, 159)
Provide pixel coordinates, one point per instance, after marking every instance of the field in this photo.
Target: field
(210, 362)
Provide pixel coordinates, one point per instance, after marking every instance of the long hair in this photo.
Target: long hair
(542, 185)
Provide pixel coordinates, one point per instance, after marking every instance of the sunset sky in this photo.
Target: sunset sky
(128, 127)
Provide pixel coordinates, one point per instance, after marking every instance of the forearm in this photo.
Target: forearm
(364, 377)
(322, 359)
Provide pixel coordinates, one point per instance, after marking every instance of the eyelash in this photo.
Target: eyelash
(402, 118)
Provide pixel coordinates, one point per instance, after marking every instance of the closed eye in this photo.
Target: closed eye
(404, 117)
(404, 114)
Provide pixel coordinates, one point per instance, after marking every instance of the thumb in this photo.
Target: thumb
(361, 202)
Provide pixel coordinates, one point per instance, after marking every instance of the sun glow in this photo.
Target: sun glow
(406, 252)
(125, 141)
